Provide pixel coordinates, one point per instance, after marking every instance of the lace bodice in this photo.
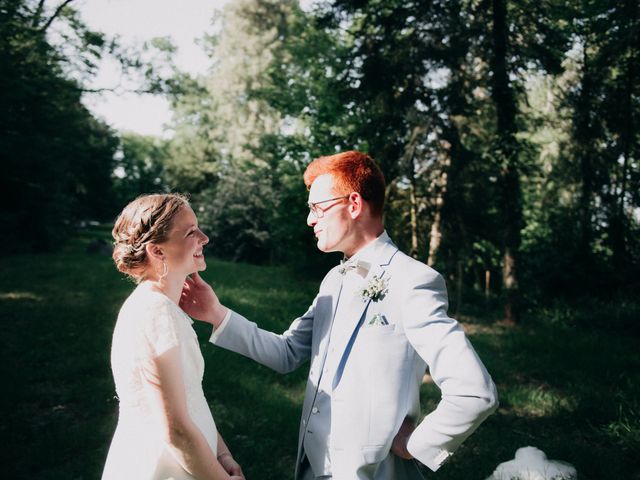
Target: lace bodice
(148, 325)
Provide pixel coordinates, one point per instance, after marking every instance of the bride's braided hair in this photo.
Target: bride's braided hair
(147, 219)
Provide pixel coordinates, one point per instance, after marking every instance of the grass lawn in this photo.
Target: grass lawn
(572, 393)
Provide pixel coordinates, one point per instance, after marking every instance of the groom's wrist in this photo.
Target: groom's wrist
(221, 314)
(216, 316)
(217, 330)
(219, 317)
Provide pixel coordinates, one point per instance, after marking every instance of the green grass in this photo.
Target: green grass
(573, 393)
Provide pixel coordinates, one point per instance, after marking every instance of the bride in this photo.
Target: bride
(165, 428)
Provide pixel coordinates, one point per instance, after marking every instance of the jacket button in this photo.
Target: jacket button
(314, 410)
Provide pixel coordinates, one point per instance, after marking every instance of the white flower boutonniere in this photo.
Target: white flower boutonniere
(376, 290)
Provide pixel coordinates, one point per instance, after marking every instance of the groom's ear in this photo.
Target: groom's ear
(355, 204)
(154, 251)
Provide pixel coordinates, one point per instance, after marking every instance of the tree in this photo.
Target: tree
(619, 57)
(57, 158)
(139, 166)
(229, 144)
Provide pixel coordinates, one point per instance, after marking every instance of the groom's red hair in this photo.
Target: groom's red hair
(353, 171)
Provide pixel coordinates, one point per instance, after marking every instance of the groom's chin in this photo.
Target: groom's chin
(321, 247)
(325, 249)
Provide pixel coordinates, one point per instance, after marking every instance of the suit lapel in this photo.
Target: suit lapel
(358, 306)
(326, 322)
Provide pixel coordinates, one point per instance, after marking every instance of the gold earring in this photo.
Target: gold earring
(165, 270)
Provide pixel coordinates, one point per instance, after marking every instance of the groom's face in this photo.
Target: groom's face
(332, 225)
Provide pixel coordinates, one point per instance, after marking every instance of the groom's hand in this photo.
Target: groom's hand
(399, 444)
(199, 301)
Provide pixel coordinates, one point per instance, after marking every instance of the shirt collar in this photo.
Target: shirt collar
(366, 256)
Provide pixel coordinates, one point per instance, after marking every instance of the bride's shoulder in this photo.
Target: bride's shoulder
(145, 304)
(149, 320)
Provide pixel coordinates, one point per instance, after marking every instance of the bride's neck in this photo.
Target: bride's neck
(171, 287)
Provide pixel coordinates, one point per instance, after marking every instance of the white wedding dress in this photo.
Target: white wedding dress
(148, 325)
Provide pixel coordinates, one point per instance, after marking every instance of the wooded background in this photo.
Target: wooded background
(508, 133)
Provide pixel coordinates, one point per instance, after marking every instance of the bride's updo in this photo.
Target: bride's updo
(147, 219)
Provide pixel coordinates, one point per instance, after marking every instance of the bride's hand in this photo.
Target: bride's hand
(199, 301)
(231, 466)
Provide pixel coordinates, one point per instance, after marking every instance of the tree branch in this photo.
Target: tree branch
(37, 14)
(53, 17)
(119, 90)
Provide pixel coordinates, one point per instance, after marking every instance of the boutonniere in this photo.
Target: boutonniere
(376, 290)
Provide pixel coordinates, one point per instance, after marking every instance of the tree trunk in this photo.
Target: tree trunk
(451, 218)
(619, 222)
(435, 238)
(409, 161)
(414, 219)
(584, 148)
(507, 153)
(459, 287)
(487, 286)
(440, 188)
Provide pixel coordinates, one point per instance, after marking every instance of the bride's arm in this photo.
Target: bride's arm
(188, 444)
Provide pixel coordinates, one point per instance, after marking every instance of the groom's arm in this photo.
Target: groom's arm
(232, 331)
(468, 393)
(283, 353)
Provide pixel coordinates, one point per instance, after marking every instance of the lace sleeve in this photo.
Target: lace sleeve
(161, 328)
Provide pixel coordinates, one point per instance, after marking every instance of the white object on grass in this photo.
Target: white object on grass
(531, 463)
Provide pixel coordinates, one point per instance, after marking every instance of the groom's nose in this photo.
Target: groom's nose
(311, 219)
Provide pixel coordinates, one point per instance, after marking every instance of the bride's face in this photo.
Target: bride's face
(184, 250)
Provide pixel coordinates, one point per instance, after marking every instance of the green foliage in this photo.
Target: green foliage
(518, 136)
(56, 158)
(236, 216)
(231, 151)
(139, 168)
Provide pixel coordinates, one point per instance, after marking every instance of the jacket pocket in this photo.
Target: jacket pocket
(374, 453)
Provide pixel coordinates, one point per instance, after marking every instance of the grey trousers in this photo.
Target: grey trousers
(391, 468)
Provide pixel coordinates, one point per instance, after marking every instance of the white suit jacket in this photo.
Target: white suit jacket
(377, 383)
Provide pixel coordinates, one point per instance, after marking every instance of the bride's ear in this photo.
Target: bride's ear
(154, 251)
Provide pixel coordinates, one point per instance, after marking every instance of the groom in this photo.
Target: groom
(377, 321)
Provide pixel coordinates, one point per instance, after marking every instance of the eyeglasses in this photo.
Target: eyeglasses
(317, 211)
